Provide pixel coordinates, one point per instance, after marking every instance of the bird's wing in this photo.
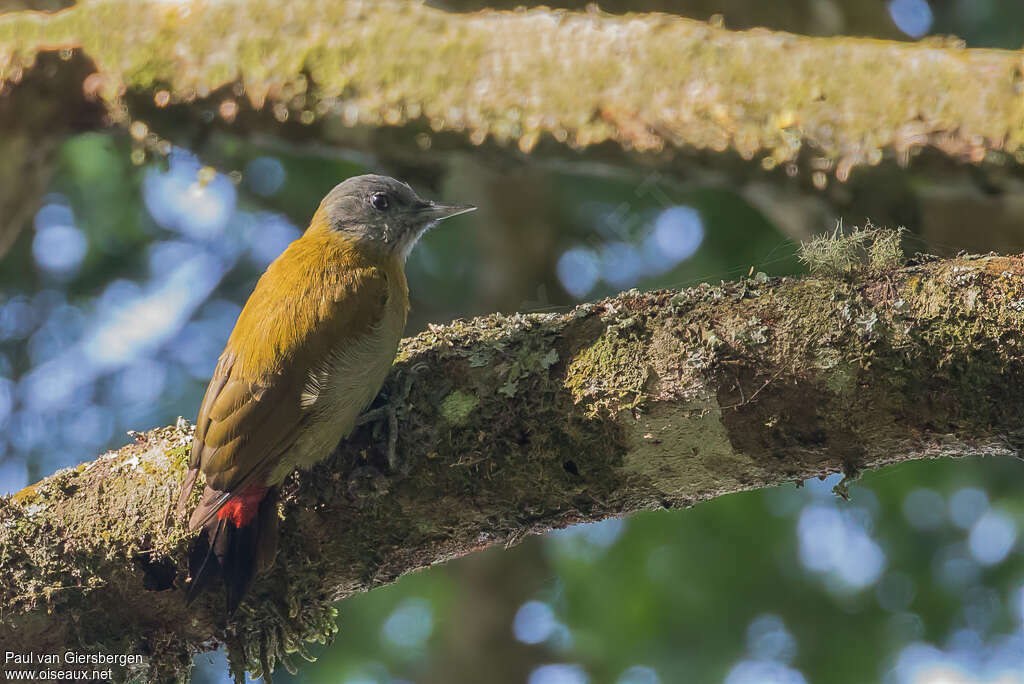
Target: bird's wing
(245, 425)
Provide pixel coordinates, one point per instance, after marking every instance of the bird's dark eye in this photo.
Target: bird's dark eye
(379, 201)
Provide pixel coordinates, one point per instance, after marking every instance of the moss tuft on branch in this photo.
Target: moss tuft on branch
(868, 251)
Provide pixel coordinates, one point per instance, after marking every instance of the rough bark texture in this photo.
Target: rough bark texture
(512, 425)
(392, 78)
(645, 81)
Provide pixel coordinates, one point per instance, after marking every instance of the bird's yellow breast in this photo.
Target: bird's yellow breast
(339, 389)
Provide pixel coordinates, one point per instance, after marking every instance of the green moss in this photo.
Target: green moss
(456, 407)
(868, 250)
(179, 455)
(842, 378)
(885, 253)
(530, 360)
(613, 365)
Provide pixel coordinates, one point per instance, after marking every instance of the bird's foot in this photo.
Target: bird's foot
(388, 415)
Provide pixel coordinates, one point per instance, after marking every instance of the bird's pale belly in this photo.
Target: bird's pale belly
(338, 392)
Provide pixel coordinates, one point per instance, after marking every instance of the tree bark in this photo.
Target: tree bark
(643, 81)
(652, 90)
(513, 425)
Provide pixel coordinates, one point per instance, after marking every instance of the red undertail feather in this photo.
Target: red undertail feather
(236, 543)
(242, 508)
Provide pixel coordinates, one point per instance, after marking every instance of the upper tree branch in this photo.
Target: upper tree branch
(515, 425)
(393, 77)
(644, 81)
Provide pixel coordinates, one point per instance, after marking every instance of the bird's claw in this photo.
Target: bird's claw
(389, 412)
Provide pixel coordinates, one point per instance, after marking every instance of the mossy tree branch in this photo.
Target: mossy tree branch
(513, 425)
(392, 78)
(644, 81)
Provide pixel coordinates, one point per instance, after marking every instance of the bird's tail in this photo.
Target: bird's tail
(236, 543)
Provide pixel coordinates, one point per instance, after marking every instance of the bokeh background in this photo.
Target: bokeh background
(115, 305)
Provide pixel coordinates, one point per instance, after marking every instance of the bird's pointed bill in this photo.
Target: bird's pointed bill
(433, 211)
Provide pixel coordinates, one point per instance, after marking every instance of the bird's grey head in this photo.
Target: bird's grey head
(384, 213)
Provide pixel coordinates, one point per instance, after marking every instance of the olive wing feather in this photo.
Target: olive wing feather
(245, 426)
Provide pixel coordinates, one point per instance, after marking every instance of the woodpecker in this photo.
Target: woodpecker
(309, 352)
